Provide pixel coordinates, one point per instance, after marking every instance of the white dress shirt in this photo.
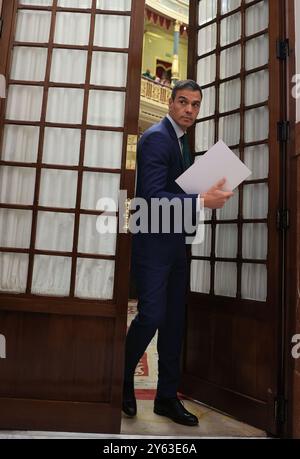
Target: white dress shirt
(180, 132)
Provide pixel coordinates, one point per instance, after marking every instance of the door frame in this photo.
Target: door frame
(292, 319)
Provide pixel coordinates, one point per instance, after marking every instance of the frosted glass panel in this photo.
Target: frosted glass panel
(257, 124)
(230, 129)
(230, 63)
(75, 3)
(200, 276)
(15, 228)
(51, 275)
(95, 279)
(207, 214)
(97, 186)
(106, 108)
(206, 70)
(257, 52)
(37, 2)
(229, 5)
(230, 95)
(20, 143)
(207, 10)
(33, 26)
(208, 105)
(24, 103)
(68, 66)
(230, 29)
(61, 146)
(207, 39)
(112, 31)
(257, 87)
(103, 149)
(28, 63)
(58, 188)
(72, 28)
(257, 17)
(205, 135)
(226, 241)
(18, 265)
(65, 105)
(226, 279)
(90, 239)
(256, 201)
(257, 159)
(109, 69)
(116, 5)
(254, 282)
(231, 209)
(255, 241)
(17, 185)
(55, 231)
(203, 249)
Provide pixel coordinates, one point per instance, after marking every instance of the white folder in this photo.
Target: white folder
(217, 163)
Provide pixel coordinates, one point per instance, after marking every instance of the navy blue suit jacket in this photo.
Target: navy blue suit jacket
(159, 164)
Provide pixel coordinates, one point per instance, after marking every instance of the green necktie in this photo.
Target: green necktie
(186, 154)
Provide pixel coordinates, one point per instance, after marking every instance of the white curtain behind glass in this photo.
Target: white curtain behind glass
(255, 197)
(58, 188)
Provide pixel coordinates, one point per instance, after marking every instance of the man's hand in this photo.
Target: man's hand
(215, 198)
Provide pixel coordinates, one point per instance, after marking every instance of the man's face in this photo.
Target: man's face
(185, 108)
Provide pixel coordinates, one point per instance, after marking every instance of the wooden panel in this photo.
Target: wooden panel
(234, 351)
(198, 343)
(21, 414)
(255, 411)
(56, 357)
(223, 356)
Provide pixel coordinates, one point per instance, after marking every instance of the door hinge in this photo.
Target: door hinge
(1, 27)
(280, 409)
(283, 219)
(283, 49)
(283, 131)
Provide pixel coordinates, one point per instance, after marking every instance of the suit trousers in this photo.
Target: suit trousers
(160, 269)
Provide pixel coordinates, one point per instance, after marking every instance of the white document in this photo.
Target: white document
(217, 163)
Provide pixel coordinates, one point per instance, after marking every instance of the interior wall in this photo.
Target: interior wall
(158, 44)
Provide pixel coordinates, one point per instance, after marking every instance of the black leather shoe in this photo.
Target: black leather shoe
(172, 408)
(129, 401)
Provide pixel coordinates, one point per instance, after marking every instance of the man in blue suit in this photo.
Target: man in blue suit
(159, 259)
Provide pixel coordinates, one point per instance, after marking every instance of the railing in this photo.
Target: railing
(155, 91)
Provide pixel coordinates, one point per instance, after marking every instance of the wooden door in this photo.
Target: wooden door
(73, 74)
(232, 358)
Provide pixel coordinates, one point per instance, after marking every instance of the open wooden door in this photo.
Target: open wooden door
(67, 126)
(232, 358)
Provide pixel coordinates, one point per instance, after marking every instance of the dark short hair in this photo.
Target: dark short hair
(186, 84)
